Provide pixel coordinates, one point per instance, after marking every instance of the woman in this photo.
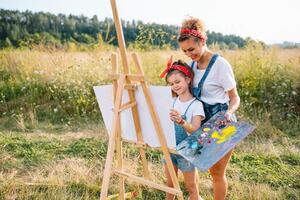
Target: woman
(214, 84)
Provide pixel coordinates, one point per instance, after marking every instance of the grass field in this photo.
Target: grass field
(53, 141)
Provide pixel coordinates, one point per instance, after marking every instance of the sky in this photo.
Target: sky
(270, 21)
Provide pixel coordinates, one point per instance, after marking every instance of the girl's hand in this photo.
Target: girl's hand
(175, 116)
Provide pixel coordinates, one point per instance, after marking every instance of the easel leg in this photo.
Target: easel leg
(125, 62)
(139, 135)
(157, 126)
(142, 151)
(112, 138)
(115, 69)
(116, 118)
(120, 163)
(144, 164)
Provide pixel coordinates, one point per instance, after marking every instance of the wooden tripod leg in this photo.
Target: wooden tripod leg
(120, 161)
(158, 128)
(125, 63)
(161, 138)
(137, 125)
(138, 64)
(112, 139)
(140, 139)
(115, 69)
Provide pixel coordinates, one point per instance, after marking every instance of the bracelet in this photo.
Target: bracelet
(187, 125)
(190, 126)
(181, 122)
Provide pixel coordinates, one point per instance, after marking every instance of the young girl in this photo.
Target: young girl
(186, 113)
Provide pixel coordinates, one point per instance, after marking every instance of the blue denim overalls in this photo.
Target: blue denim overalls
(209, 109)
(181, 134)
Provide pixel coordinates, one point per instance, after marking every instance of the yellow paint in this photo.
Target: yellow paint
(206, 129)
(226, 133)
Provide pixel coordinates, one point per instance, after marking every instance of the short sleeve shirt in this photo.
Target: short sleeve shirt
(218, 82)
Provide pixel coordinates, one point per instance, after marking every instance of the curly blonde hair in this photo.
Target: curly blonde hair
(192, 23)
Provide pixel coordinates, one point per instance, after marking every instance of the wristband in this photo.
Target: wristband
(181, 122)
(186, 124)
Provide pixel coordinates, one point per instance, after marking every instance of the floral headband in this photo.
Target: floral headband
(192, 32)
(181, 68)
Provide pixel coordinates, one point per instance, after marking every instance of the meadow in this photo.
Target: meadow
(53, 141)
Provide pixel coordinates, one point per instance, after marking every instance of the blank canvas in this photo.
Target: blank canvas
(162, 98)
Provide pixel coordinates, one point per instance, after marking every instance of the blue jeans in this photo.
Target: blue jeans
(211, 110)
(181, 163)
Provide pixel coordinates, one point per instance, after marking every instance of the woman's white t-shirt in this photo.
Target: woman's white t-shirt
(196, 108)
(219, 81)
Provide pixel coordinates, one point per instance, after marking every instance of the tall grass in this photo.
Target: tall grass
(56, 87)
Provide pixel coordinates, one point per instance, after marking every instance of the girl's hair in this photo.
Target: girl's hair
(174, 71)
(192, 23)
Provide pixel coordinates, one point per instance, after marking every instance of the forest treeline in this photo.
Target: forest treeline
(26, 29)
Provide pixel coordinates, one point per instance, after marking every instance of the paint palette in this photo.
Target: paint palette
(213, 140)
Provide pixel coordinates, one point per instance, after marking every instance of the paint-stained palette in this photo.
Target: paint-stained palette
(216, 137)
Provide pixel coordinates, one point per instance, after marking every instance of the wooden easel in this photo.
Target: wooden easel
(128, 81)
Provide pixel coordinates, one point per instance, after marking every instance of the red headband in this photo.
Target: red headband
(195, 33)
(181, 68)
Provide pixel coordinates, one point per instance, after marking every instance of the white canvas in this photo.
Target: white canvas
(162, 98)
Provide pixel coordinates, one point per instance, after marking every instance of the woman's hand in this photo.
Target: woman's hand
(233, 105)
(228, 115)
(175, 116)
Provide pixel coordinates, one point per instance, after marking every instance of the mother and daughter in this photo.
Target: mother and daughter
(201, 89)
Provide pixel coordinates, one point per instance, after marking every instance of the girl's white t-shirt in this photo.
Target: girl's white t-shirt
(218, 82)
(195, 109)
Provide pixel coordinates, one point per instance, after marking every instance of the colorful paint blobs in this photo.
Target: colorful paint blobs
(206, 129)
(222, 126)
(194, 145)
(214, 140)
(226, 133)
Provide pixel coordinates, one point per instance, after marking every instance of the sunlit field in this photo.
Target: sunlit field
(53, 141)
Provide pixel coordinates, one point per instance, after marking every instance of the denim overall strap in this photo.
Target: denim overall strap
(193, 63)
(189, 106)
(174, 102)
(201, 82)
